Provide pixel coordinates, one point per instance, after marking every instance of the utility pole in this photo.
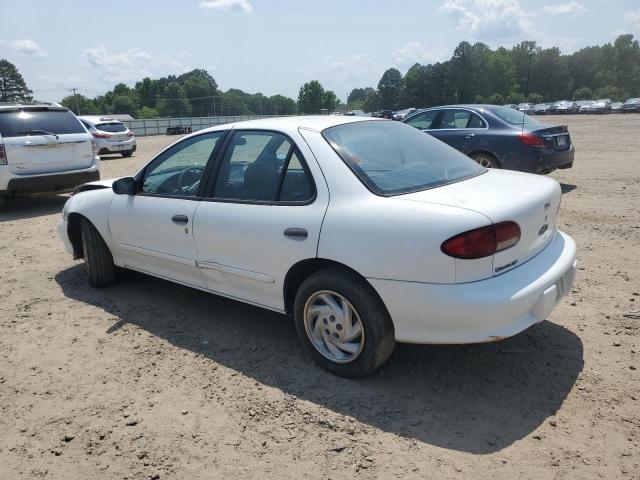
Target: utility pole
(76, 99)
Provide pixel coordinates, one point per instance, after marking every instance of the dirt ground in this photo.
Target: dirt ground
(148, 379)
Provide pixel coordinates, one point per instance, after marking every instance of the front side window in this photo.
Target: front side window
(38, 121)
(424, 120)
(391, 158)
(178, 171)
(262, 167)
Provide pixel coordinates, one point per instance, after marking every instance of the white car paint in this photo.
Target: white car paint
(238, 250)
(109, 142)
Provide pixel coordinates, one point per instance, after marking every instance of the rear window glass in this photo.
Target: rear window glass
(112, 127)
(33, 122)
(392, 158)
(513, 116)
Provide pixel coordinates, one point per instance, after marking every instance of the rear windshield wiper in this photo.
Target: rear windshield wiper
(39, 132)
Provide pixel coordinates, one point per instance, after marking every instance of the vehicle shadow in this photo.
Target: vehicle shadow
(31, 206)
(476, 398)
(114, 156)
(567, 187)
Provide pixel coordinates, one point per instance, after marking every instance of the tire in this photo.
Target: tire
(3, 201)
(101, 270)
(370, 349)
(485, 159)
(127, 154)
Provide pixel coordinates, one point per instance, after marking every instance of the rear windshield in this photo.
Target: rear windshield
(392, 158)
(112, 127)
(513, 116)
(20, 123)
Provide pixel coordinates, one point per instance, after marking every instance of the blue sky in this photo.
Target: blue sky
(274, 46)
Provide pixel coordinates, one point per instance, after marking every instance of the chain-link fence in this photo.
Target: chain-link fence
(159, 126)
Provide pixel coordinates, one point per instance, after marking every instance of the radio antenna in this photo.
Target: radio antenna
(526, 91)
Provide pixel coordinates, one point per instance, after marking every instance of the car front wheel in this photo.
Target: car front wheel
(97, 257)
(343, 322)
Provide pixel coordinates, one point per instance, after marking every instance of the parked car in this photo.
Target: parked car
(400, 114)
(367, 232)
(541, 108)
(498, 137)
(631, 105)
(616, 107)
(112, 136)
(564, 106)
(355, 113)
(511, 105)
(525, 107)
(584, 105)
(43, 148)
(600, 106)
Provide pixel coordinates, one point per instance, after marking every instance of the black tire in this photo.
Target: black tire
(379, 337)
(486, 159)
(101, 270)
(127, 154)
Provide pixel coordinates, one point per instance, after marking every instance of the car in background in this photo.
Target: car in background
(511, 105)
(112, 136)
(616, 107)
(44, 148)
(498, 136)
(631, 105)
(541, 108)
(564, 107)
(525, 107)
(355, 113)
(367, 232)
(584, 106)
(600, 106)
(400, 114)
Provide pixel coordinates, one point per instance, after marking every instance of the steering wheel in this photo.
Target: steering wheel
(196, 170)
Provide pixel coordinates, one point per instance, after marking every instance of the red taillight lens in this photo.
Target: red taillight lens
(3, 155)
(101, 135)
(130, 134)
(532, 140)
(482, 242)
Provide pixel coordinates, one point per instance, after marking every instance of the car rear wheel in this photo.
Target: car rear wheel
(97, 257)
(126, 154)
(343, 322)
(486, 160)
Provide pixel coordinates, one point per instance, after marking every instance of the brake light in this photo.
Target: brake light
(94, 147)
(532, 140)
(101, 135)
(130, 134)
(482, 242)
(3, 155)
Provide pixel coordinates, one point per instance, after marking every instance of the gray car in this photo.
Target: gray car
(498, 137)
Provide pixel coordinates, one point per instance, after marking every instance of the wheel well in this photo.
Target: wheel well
(302, 270)
(486, 152)
(73, 230)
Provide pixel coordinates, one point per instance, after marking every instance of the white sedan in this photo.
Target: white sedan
(367, 231)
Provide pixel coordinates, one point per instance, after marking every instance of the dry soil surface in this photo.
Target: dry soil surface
(148, 379)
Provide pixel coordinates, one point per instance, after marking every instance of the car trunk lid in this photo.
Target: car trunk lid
(555, 137)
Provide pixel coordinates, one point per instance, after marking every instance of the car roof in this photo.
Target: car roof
(98, 119)
(310, 122)
(17, 105)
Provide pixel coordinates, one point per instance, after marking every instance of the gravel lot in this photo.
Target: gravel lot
(149, 378)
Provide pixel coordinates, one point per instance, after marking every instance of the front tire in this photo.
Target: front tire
(127, 154)
(486, 160)
(101, 270)
(342, 321)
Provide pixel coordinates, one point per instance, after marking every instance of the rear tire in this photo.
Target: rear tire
(98, 260)
(127, 154)
(352, 312)
(486, 160)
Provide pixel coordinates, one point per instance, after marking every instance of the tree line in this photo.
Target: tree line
(477, 74)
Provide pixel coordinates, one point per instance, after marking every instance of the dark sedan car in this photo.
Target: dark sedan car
(631, 105)
(498, 137)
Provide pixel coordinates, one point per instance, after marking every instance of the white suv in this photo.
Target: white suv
(112, 136)
(44, 148)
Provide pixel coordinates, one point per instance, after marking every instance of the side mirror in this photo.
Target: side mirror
(124, 186)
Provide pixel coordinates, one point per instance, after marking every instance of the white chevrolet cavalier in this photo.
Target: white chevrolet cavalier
(367, 231)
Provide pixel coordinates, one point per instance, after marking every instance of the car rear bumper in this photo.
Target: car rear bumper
(106, 147)
(486, 310)
(50, 182)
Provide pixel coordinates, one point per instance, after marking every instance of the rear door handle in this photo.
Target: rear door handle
(180, 219)
(296, 233)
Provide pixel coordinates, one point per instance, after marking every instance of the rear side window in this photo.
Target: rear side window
(391, 158)
(514, 117)
(25, 122)
(112, 127)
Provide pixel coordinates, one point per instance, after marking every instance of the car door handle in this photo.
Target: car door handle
(180, 219)
(296, 233)
(470, 135)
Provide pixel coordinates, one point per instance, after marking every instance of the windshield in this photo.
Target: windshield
(392, 158)
(112, 127)
(514, 117)
(20, 123)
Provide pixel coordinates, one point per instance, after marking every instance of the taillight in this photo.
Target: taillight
(532, 140)
(130, 134)
(101, 135)
(94, 147)
(482, 242)
(3, 155)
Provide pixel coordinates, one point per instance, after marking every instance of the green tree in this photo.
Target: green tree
(311, 97)
(80, 104)
(146, 92)
(583, 93)
(535, 98)
(371, 102)
(13, 88)
(147, 112)
(175, 104)
(390, 89)
(514, 97)
(124, 104)
(496, 99)
(612, 92)
(280, 105)
(330, 101)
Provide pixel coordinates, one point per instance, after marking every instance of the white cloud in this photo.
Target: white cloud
(130, 65)
(489, 20)
(228, 5)
(28, 47)
(408, 54)
(633, 18)
(564, 8)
